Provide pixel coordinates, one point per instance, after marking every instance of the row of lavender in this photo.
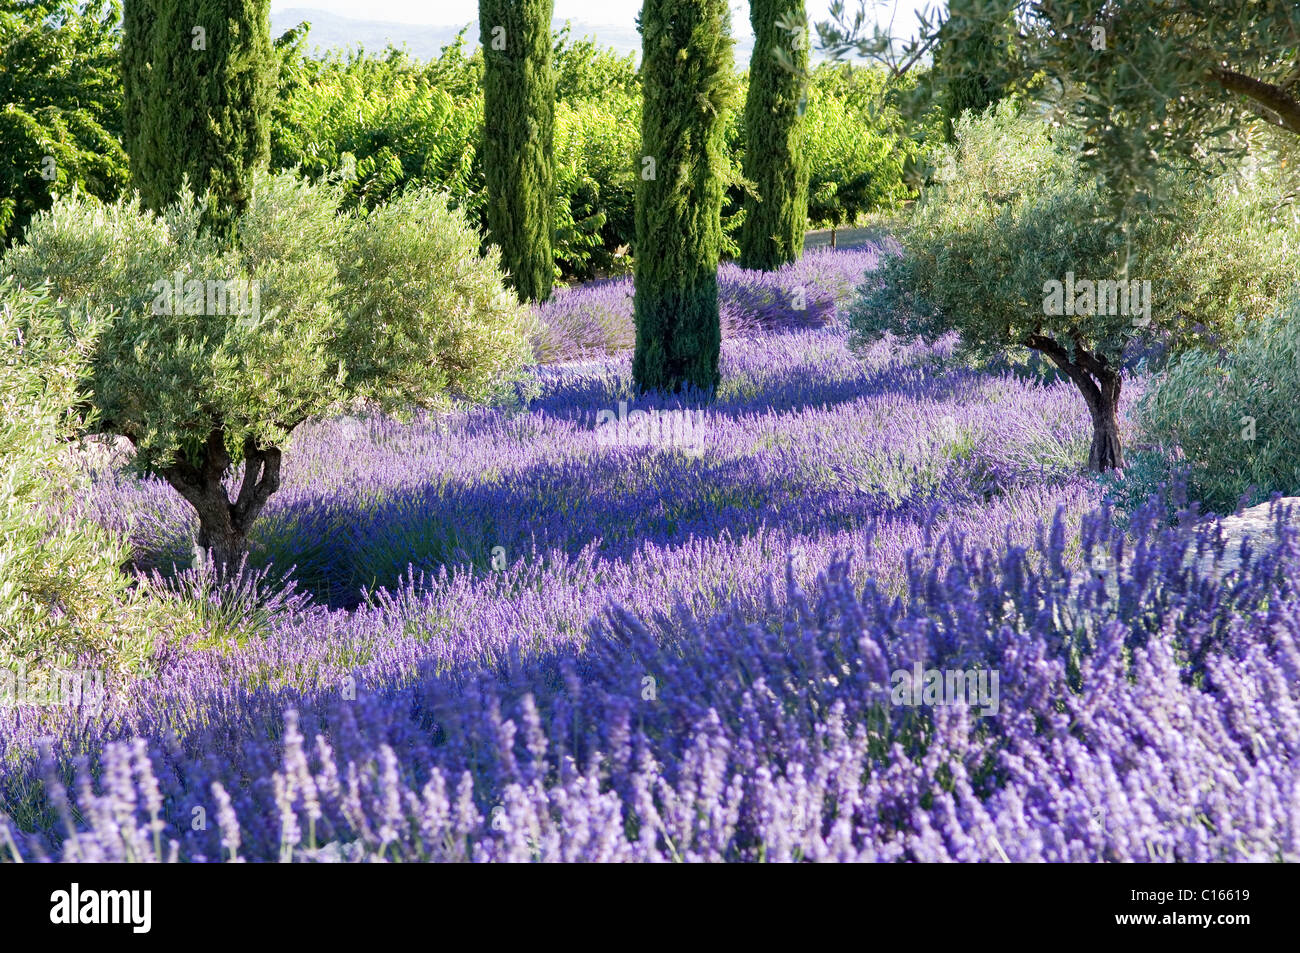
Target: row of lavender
(1159, 722)
(667, 649)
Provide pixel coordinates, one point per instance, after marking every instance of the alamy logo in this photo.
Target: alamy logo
(77, 906)
(976, 688)
(683, 429)
(1087, 297)
(62, 688)
(239, 297)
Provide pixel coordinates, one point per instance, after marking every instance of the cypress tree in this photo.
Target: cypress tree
(975, 61)
(198, 79)
(519, 133)
(688, 85)
(773, 230)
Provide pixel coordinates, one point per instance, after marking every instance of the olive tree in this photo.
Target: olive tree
(63, 597)
(217, 352)
(1006, 249)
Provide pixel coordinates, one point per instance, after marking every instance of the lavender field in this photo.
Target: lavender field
(554, 631)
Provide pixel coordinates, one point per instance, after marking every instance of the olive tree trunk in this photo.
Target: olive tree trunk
(1100, 384)
(223, 524)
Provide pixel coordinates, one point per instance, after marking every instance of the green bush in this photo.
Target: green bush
(385, 123)
(588, 72)
(1235, 415)
(64, 603)
(854, 168)
(596, 157)
(394, 307)
(856, 157)
(60, 105)
(425, 317)
(1234, 261)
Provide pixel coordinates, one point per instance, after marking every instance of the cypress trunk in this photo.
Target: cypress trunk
(518, 141)
(688, 85)
(773, 230)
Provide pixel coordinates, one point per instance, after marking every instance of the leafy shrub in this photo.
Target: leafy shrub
(425, 318)
(63, 601)
(585, 71)
(856, 163)
(1234, 262)
(1235, 414)
(596, 146)
(385, 124)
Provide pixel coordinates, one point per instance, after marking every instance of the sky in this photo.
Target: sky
(620, 12)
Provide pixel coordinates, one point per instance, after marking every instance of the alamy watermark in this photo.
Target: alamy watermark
(59, 688)
(976, 688)
(1084, 296)
(683, 429)
(241, 297)
(75, 906)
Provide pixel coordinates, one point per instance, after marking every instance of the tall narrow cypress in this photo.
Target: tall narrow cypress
(198, 80)
(773, 231)
(688, 85)
(519, 139)
(974, 63)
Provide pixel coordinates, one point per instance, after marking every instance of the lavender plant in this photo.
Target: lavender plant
(1150, 723)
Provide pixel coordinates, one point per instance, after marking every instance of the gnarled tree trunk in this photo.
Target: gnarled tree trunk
(1100, 385)
(1106, 452)
(223, 524)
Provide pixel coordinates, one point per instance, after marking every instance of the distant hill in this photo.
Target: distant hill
(329, 30)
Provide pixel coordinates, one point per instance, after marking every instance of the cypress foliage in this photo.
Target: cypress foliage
(137, 53)
(688, 85)
(519, 140)
(775, 222)
(975, 62)
(198, 80)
